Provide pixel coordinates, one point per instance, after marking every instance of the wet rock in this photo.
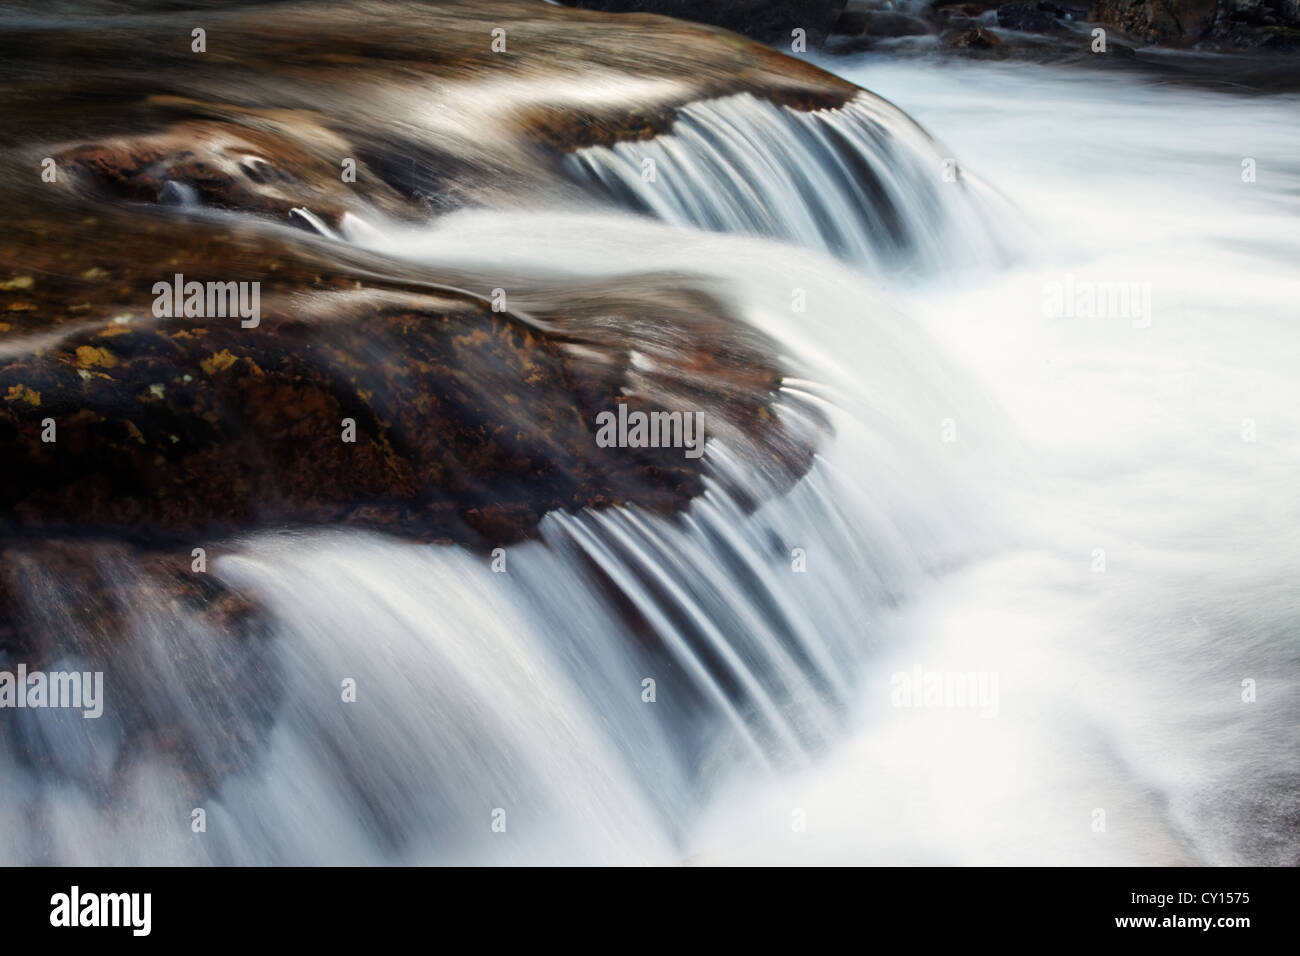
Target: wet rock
(293, 85)
(221, 165)
(860, 28)
(466, 423)
(37, 627)
(140, 619)
(878, 18)
(1167, 22)
(1030, 17)
(1266, 25)
(469, 424)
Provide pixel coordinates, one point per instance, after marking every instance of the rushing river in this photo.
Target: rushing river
(1166, 437)
(1057, 382)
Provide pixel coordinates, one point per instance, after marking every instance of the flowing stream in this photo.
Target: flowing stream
(1093, 512)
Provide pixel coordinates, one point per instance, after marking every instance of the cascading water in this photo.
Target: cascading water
(862, 182)
(523, 690)
(930, 528)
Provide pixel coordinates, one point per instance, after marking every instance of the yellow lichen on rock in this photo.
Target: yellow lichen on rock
(218, 362)
(88, 357)
(21, 393)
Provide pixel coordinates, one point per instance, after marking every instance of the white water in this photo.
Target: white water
(862, 183)
(522, 690)
(1120, 691)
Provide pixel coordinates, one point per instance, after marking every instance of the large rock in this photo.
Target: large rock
(471, 422)
(1167, 22)
(1262, 12)
(1263, 24)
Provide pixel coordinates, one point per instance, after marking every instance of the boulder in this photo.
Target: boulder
(395, 405)
(1166, 22)
(465, 421)
(1259, 24)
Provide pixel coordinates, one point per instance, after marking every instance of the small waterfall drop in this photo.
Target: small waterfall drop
(862, 182)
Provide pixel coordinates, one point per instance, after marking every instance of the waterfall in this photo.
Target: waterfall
(863, 183)
(520, 691)
(635, 687)
(523, 690)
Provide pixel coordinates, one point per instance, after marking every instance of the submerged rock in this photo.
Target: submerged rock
(38, 629)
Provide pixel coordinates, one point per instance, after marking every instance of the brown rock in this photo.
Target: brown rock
(470, 424)
(1168, 22)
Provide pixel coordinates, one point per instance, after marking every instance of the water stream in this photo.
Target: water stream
(1093, 512)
